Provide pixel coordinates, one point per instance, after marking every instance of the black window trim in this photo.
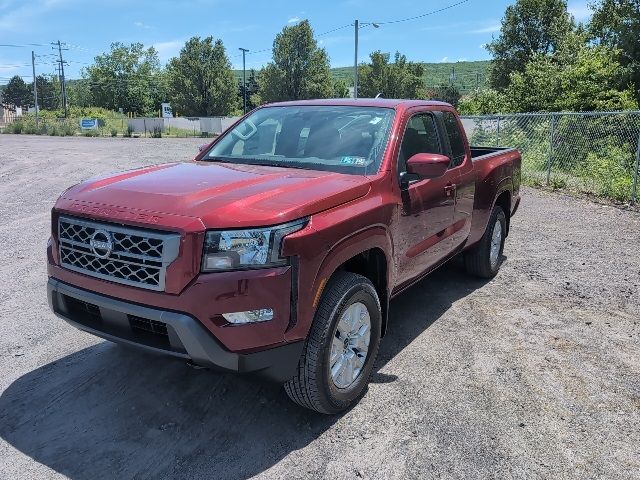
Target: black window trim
(445, 135)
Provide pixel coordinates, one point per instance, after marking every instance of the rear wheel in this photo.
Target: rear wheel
(485, 258)
(342, 345)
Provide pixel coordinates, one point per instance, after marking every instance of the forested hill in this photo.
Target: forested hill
(435, 74)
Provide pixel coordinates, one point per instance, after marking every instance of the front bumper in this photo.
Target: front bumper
(164, 331)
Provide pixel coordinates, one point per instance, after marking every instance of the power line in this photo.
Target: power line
(388, 22)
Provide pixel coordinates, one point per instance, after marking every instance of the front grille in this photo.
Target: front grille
(139, 324)
(84, 310)
(127, 255)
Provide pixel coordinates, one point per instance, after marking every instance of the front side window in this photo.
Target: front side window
(340, 139)
(455, 138)
(420, 136)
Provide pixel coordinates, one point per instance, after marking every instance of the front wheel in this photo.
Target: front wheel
(342, 345)
(484, 259)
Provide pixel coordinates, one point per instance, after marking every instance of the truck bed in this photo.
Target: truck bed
(478, 153)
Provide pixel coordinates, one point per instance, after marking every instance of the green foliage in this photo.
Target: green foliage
(482, 102)
(128, 133)
(589, 79)
(400, 79)
(17, 92)
(608, 174)
(114, 132)
(157, 132)
(529, 28)
(252, 90)
(446, 93)
(128, 77)
(437, 74)
(79, 93)
(340, 89)
(48, 96)
(200, 79)
(616, 24)
(299, 69)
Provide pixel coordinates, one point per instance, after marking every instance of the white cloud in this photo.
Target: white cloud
(141, 25)
(495, 27)
(580, 11)
(294, 20)
(22, 17)
(444, 59)
(463, 59)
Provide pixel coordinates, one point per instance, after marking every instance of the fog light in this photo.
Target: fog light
(251, 316)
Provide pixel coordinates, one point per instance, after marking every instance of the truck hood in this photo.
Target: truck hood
(222, 195)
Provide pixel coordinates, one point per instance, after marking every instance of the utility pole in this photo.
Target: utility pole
(35, 87)
(358, 26)
(477, 81)
(355, 63)
(452, 77)
(62, 82)
(244, 80)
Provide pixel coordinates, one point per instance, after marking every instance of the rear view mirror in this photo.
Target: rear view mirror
(428, 165)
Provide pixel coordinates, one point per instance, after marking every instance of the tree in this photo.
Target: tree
(48, 96)
(128, 77)
(299, 70)
(446, 93)
(340, 89)
(616, 23)
(79, 93)
(400, 79)
(483, 102)
(17, 93)
(530, 27)
(586, 80)
(252, 90)
(200, 80)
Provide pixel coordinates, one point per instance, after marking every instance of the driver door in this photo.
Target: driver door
(425, 207)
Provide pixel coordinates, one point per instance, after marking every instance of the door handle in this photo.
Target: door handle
(450, 190)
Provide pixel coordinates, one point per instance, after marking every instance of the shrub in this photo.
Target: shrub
(157, 132)
(114, 132)
(608, 174)
(129, 132)
(90, 133)
(16, 127)
(67, 129)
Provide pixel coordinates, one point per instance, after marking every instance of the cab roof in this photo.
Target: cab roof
(362, 102)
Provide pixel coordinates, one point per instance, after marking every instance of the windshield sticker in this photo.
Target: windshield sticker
(375, 120)
(348, 160)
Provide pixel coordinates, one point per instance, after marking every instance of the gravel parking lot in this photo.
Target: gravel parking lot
(535, 374)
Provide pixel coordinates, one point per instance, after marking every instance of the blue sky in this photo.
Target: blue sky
(89, 27)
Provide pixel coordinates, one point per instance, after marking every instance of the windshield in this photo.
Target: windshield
(334, 138)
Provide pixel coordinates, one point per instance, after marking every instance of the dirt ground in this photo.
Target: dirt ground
(535, 374)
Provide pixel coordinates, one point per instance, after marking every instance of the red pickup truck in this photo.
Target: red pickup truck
(277, 249)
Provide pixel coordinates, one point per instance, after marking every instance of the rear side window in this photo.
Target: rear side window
(455, 138)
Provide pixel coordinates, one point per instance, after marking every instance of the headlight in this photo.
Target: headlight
(240, 249)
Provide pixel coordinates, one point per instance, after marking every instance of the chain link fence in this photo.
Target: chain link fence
(596, 153)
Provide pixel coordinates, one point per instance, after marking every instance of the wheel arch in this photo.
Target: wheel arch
(368, 253)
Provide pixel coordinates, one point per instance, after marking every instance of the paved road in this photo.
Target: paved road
(535, 374)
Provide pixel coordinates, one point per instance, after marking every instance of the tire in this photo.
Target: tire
(480, 261)
(314, 385)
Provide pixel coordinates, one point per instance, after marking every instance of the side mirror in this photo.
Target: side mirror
(428, 165)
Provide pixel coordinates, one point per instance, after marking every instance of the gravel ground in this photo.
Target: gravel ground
(535, 374)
